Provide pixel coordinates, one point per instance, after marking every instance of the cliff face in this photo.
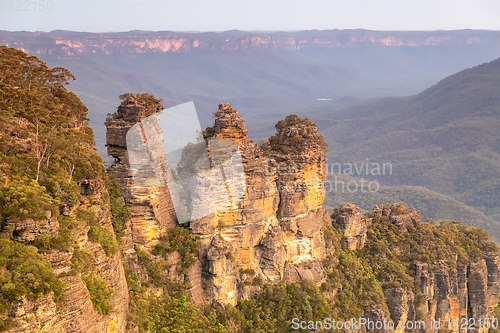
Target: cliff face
(455, 295)
(278, 222)
(275, 230)
(59, 266)
(278, 219)
(70, 44)
(449, 291)
(43, 314)
(353, 225)
(151, 206)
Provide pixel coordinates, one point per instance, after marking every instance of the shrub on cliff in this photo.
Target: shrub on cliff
(24, 271)
(23, 198)
(181, 240)
(119, 212)
(99, 293)
(295, 135)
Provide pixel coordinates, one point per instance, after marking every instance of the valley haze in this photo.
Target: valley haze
(327, 75)
(335, 147)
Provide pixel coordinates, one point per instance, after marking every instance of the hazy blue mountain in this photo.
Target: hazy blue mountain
(445, 138)
(271, 74)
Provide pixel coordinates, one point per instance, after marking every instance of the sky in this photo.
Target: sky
(209, 15)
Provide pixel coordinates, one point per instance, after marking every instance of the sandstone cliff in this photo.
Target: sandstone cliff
(76, 313)
(276, 229)
(272, 230)
(452, 291)
(74, 44)
(60, 269)
(150, 206)
(254, 232)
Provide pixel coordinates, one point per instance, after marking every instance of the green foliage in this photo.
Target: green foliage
(119, 212)
(24, 271)
(46, 148)
(44, 133)
(257, 281)
(24, 198)
(68, 225)
(284, 144)
(209, 132)
(179, 239)
(104, 237)
(277, 304)
(82, 261)
(5, 324)
(178, 315)
(167, 311)
(247, 271)
(143, 99)
(157, 268)
(99, 294)
(97, 233)
(172, 314)
(357, 287)
(432, 244)
(333, 237)
(397, 209)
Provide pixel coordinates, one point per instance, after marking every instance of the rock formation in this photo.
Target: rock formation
(353, 224)
(275, 229)
(58, 42)
(278, 218)
(452, 292)
(400, 215)
(151, 206)
(254, 226)
(30, 229)
(76, 314)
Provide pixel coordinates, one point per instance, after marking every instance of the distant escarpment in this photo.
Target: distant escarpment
(74, 44)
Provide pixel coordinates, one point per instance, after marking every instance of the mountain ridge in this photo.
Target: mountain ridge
(72, 43)
(444, 138)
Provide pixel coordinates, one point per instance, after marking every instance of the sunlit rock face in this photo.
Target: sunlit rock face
(273, 229)
(44, 314)
(444, 293)
(151, 206)
(277, 217)
(270, 224)
(353, 224)
(72, 47)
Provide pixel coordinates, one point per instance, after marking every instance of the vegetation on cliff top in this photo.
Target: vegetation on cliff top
(149, 103)
(295, 135)
(46, 149)
(45, 143)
